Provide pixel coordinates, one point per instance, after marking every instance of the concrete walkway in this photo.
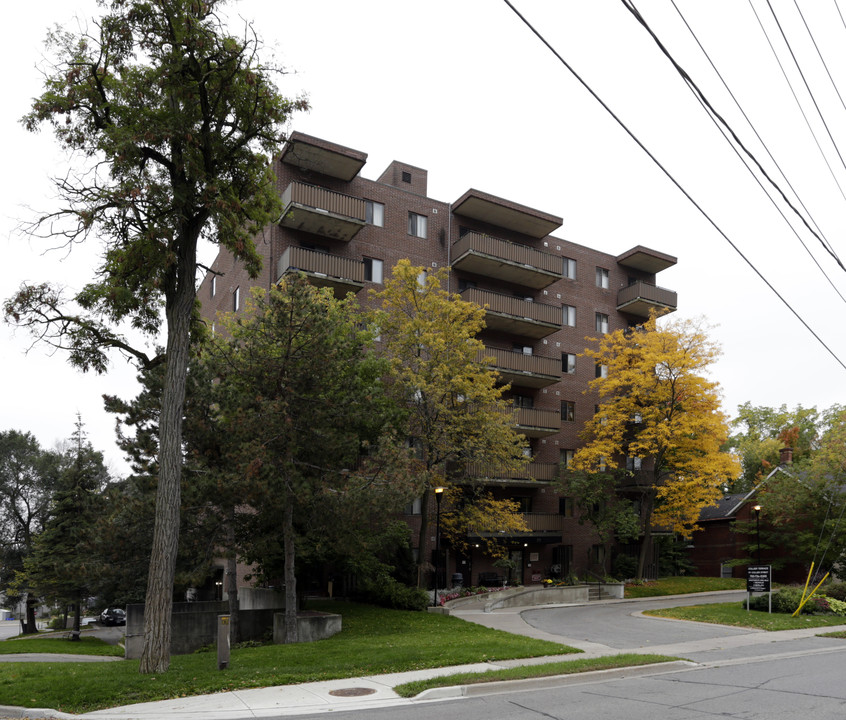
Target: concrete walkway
(376, 691)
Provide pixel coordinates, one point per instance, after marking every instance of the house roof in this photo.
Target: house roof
(728, 506)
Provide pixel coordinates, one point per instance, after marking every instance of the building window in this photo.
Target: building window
(406, 176)
(603, 463)
(602, 278)
(568, 363)
(465, 284)
(213, 285)
(568, 411)
(521, 348)
(414, 508)
(562, 560)
(633, 463)
(373, 270)
(602, 371)
(569, 271)
(597, 554)
(569, 316)
(523, 401)
(236, 299)
(374, 213)
(567, 457)
(525, 503)
(417, 225)
(565, 506)
(601, 323)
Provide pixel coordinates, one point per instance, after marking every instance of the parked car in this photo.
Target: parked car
(113, 616)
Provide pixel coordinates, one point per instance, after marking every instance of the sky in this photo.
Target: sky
(468, 92)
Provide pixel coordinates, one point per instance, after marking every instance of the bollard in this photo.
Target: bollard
(222, 642)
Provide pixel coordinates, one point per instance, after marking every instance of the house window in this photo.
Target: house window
(568, 363)
(633, 463)
(601, 323)
(602, 371)
(406, 176)
(569, 316)
(565, 506)
(567, 457)
(374, 213)
(602, 278)
(603, 464)
(417, 225)
(213, 285)
(568, 411)
(373, 270)
(569, 271)
(236, 299)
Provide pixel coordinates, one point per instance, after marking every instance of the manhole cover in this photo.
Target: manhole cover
(352, 692)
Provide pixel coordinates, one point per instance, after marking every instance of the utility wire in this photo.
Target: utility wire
(630, 6)
(764, 145)
(672, 179)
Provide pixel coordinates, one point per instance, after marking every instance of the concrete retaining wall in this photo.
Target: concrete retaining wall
(194, 625)
(310, 627)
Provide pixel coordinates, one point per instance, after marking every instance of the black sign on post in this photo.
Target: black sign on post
(758, 578)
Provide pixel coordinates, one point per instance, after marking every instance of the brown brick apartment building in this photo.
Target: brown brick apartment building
(544, 295)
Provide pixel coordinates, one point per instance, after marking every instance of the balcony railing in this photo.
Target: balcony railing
(515, 314)
(526, 370)
(534, 422)
(512, 262)
(343, 275)
(544, 522)
(323, 212)
(531, 471)
(639, 297)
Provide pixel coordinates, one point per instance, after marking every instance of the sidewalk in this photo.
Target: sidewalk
(376, 691)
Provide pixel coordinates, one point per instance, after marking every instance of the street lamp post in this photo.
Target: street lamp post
(757, 510)
(438, 492)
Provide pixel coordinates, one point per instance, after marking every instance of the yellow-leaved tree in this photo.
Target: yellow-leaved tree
(456, 415)
(659, 424)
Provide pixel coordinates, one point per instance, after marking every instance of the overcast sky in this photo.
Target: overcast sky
(466, 91)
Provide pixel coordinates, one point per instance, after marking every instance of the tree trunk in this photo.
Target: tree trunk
(646, 542)
(290, 576)
(232, 588)
(77, 618)
(29, 627)
(179, 305)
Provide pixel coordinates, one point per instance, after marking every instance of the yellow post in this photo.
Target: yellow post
(807, 581)
(802, 604)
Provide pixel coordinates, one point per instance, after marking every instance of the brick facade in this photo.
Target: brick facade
(492, 245)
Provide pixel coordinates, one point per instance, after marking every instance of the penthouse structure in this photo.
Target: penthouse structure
(543, 296)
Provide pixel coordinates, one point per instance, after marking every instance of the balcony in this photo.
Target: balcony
(323, 270)
(316, 155)
(543, 528)
(516, 315)
(640, 297)
(526, 474)
(506, 214)
(524, 370)
(508, 261)
(533, 422)
(320, 211)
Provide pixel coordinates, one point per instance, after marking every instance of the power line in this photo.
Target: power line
(672, 179)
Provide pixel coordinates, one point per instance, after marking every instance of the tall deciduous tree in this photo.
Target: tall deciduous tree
(61, 566)
(177, 118)
(456, 413)
(659, 421)
(300, 402)
(27, 480)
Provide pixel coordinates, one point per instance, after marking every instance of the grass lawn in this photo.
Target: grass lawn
(58, 644)
(733, 614)
(374, 640)
(682, 585)
(562, 667)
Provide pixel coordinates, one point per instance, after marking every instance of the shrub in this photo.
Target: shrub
(625, 566)
(785, 601)
(387, 592)
(836, 590)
